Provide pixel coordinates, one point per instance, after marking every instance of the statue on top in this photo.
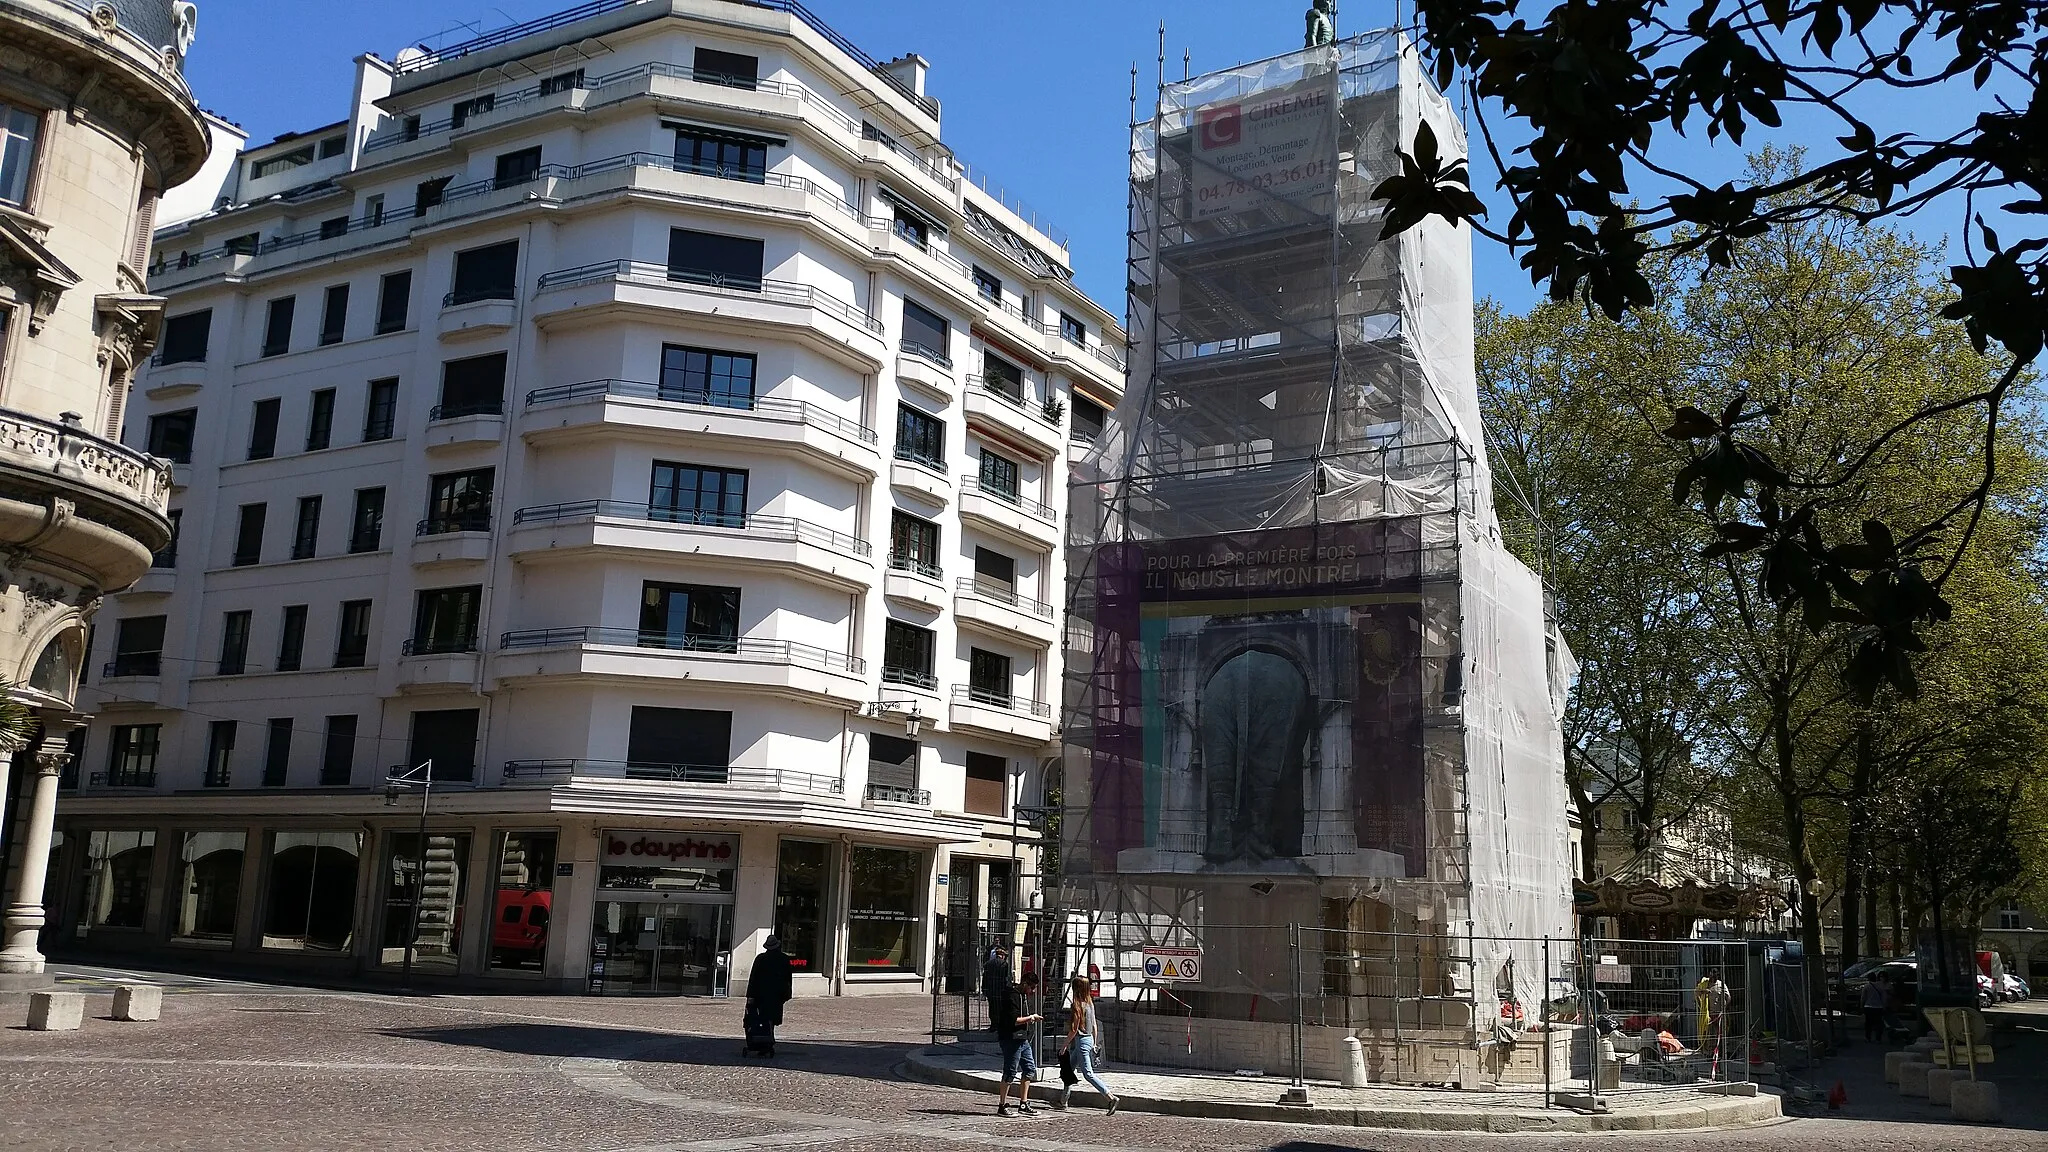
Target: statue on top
(1322, 23)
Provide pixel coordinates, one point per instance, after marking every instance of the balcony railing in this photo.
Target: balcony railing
(783, 651)
(892, 794)
(917, 567)
(473, 295)
(1000, 391)
(159, 361)
(765, 407)
(455, 522)
(134, 664)
(925, 352)
(753, 524)
(123, 779)
(915, 677)
(649, 272)
(544, 773)
(1006, 701)
(913, 456)
(969, 585)
(466, 408)
(436, 646)
(1033, 508)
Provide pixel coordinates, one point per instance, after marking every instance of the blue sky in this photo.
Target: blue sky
(1035, 94)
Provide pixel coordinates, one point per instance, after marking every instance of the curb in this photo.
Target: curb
(1735, 1111)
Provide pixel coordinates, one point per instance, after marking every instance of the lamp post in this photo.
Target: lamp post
(401, 779)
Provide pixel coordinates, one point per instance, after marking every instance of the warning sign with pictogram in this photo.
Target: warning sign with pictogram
(1173, 964)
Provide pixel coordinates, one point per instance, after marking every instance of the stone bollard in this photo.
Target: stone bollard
(1975, 1100)
(138, 1002)
(55, 1011)
(1355, 1075)
(1913, 1078)
(1939, 1081)
(1892, 1060)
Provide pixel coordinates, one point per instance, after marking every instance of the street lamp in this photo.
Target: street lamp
(401, 780)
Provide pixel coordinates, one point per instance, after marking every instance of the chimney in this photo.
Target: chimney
(909, 71)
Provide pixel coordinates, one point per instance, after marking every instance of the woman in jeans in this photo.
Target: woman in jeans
(1083, 1030)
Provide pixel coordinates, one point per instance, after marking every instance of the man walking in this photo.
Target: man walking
(1012, 1026)
(1875, 996)
(768, 989)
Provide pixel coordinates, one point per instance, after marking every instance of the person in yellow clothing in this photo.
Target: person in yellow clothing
(1711, 999)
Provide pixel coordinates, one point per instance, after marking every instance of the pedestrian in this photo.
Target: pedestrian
(1012, 1024)
(768, 989)
(1874, 998)
(1712, 998)
(1084, 1032)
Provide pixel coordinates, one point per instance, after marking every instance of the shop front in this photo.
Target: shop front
(663, 920)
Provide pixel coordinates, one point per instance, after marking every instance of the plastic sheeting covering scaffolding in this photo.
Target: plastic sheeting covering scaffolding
(1306, 683)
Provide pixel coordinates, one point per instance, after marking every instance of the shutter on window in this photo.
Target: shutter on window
(145, 231)
(117, 399)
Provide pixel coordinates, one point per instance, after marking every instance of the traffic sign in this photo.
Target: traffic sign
(1173, 964)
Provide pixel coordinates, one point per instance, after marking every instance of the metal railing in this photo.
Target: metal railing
(891, 794)
(925, 352)
(467, 408)
(750, 523)
(134, 664)
(548, 772)
(438, 645)
(916, 567)
(455, 522)
(764, 407)
(773, 651)
(1029, 507)
(647, 271)
(974, 586)
(915, 677)
(158, 361)
(506, 292)
(1005, 701)
(909, 156)
(913, 456)
(123, 779)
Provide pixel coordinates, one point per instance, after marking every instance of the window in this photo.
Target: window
(117, 868)
(892, 767)
(692, 494)
(2009, 915)
(170, 435)
(210, 890)
(707, 376)
(184, 338)
(243, 245)
(423, 899)
(803, 875)
(988, 678)
(234, 644)
(730, 69)
(447, 736)
(310, 903)
(373, 210)
(427, 194)
(487, 273)
(910, 225)
(338, 751)
(561, 82)
(168, 558)
(907, 655)
(1073, 331)
(352, 640)
(131, 755)
(920, 437)
(249, 536)
(74, 745)
(410, 127)
(464, 109)
(709, 258)
(291, 638)
(220, 753)
(277, 326)
(516, 168)
(333, 146)
(283, 162)
(994, 571)
(1002, 377)
(338, 226)
(884, 914)
(680, 743)
(394, 300)
(459, 502)
(306, 530)
(138, 646)
(1088, 421)
(989, 286)
(987, 784)
(524, 904)
(263, 428)
(19, 128)
(926, 334)
(472, 387)
(727, 155)
(998, 475)
(689, 617)
(914, 544)
(366, 527)
(380, 416)
(334, 314)
(444, 620)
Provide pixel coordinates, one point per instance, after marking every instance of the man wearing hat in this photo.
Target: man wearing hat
(768, 989)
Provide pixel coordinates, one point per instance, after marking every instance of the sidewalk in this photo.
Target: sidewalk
(1181, 1092)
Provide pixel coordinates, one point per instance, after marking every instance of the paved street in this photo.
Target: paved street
(238, 1065)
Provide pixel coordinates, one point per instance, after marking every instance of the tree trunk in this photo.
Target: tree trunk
(1898, 911)
(1793, 800)
(1854, 866)
(1871, 946)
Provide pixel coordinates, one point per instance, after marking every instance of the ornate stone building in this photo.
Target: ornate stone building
(95, 122)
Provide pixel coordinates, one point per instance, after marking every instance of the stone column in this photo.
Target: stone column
(24, 915)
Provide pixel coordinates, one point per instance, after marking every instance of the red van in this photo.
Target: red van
(519, 927)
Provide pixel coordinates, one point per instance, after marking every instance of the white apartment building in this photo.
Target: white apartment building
(638, 415)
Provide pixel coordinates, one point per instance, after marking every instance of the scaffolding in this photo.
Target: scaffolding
(1306, 684)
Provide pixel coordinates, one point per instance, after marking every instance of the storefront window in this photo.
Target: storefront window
(311, 900)
(668, 861)
(117, 866)
(883, 918)
(437, 943)
(525, 900)
(800, 886)
(211, 888)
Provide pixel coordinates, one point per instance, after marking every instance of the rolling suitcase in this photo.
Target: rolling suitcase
(760, 1033)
